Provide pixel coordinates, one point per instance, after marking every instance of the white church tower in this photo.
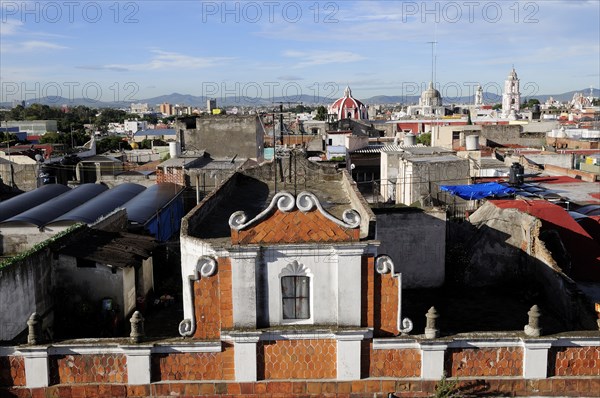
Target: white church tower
(511, 98)
(479, 96)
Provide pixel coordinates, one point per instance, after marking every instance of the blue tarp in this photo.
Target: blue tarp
(478, 191)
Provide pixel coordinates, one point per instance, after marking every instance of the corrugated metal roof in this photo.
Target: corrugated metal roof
(388, 148)
(101, 205)
(118, 249)
(28, 200)
(144, 206)
(44, 213)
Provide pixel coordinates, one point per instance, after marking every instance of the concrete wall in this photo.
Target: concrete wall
(416, 241)
(224, 136)
(94, 284)
(493, 135)
(24, 289)
(507, 247)
(23, 176)
(20, 238)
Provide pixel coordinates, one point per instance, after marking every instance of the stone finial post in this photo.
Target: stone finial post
(34, 324)
(533, 329)
(431, 332)
(137, 327)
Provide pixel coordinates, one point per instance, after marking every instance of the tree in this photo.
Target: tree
(424, 138)
(112, 143)
(321, 113)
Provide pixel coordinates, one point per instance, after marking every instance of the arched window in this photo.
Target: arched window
(296, 292)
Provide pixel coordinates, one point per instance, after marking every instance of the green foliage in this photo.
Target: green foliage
(530, 103)
(497, 106)
(447, 388)
(321, 113)
(424, 138)
(112, 143)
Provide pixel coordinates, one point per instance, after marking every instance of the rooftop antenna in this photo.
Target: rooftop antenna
(433, 43)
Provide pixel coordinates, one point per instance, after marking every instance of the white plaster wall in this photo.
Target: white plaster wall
(243, 289)
(20, 238)
(323, 267)
(92, 283)
(145, 277)
(129, 296)
(191, 250)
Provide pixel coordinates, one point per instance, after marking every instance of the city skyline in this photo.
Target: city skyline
(125, 51)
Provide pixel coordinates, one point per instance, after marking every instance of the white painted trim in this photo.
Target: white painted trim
(283, 200)
(577, 342)
(36, 366)
(353, 335)
(84, 350)
(307, 201)
(9, 351)
(395, 344)
(301, 335)
(477, 343)
(187, 348)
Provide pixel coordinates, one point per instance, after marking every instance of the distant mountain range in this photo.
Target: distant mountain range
(200, 101)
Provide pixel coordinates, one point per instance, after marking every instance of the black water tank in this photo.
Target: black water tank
(515, 176)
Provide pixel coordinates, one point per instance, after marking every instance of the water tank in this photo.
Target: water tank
(472, 142)
(410, 139)
(174, 149)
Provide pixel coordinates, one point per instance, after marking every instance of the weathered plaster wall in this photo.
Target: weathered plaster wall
(25, 289)
(416, 242)
(225, 136)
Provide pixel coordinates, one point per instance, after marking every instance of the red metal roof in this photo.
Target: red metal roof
(581, 246)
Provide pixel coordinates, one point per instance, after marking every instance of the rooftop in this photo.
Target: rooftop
(252, 190)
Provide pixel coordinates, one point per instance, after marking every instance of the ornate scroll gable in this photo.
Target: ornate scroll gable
(302, 220)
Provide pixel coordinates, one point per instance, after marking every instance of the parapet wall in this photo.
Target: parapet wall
(488, 363)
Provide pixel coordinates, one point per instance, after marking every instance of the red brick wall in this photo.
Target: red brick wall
(385, 305)
(225, 296)
(194, 366)
(509, 386)
(295, 227)
(12, 371)
(207, 308)
(367, 287)
(213, 304)
(574, 361)
(176, 176)
(99, 368)
(297, 359)
(504, 361)
(395, 363)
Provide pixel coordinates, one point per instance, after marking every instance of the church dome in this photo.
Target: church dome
(348, 107)
(512, 75)
(431, 96)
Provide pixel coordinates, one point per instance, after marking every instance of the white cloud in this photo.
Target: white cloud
(313, 58)
(10, 27)
(30, 46)
(169, 60)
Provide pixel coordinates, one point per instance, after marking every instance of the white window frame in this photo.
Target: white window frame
(297, 269)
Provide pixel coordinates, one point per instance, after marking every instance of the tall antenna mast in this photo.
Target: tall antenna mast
(433, 43)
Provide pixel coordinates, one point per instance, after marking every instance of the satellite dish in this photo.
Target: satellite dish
(39, 158)
(352, 166)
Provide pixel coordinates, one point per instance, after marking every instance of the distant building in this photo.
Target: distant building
(511, 98)
(348, 107)
(33, 128)
(139, 108)
(134, 126)
(166, 109)
(211, 104)
(430, 103)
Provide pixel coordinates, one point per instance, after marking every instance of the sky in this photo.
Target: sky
(129, 50)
